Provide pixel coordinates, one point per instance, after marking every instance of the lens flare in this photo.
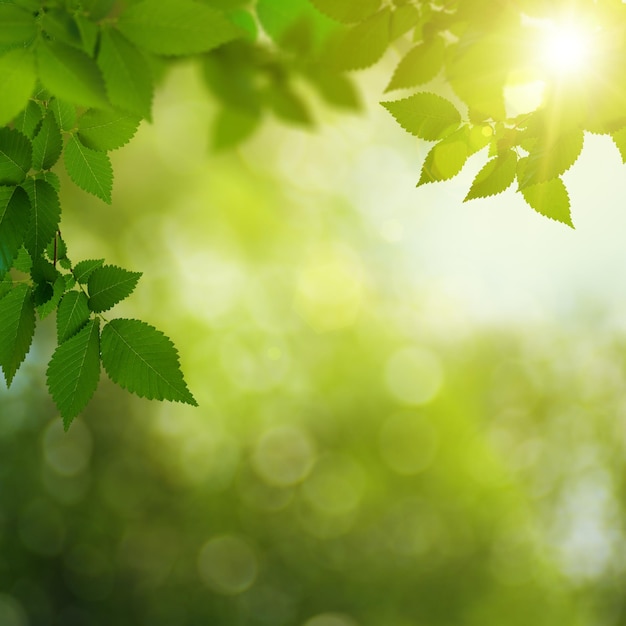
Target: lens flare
(567, 49)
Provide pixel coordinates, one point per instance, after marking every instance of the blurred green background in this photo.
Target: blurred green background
(411, 410)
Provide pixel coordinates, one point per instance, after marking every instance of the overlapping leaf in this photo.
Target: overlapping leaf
(447, 158)
(47, 143)
(14, 220)
(84, 269)
(72, 314)
(17, 26)
(143, 360)
(496, 176)
(426, 115)
(74, 371)
(45, 216)
(29, 118)
(16, 156)
(90, 169)
(126, 72)
(347, 11)
(550, 199)
(17, 327)
(17, 77)
(106, 130)
(421, 64)
(175, 27)
(108, 285)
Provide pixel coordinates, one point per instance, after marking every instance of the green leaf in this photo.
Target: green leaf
(74, 371)
(176, 27)
(337, 89)
(362, 45)
(97, 9)
(347, 11)
(52, 178)
(402, 20)
(16, 156)
(426, 115)
(18, 79)
(58, 289)
(59, 26)
(47, 144)
(619, 139)
(550, 199)
(84, 269)
(17, 327)
(550, 157)
(89, 169)
(23, 262)
(106, 130)
(72, 314)
(108, 285)
(126, 72)
(70, 75)
(14, 220)
(28, 120)
(88, 33)
(64, 113)
(6, 284)
(144, 361)
(17, 27)
(231, 127)
(421, 64)
(495, 176)
(447, 158)
(45, 216)
(287, 105)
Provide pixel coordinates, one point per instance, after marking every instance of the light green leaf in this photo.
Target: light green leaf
(126, 72)
(421, 64)
(550, 157)
(84, 269)
(72, 314)
(619, 139)
(18, 78)
(337, 89)
(176, 27)
(361, 45)
(23, 262)
(106, 130)
(403, 19)
(108, 285)
(47, 144)
(64, 113)
(16, 156)
(74, 371)
(70, 75)
(14, 220)
(550, 199)
(495, 176)
(27, 122)
(97, 9)
(58, 289)
(347, 11)
(426, 115)
(143, 360)
(231, 127)
(45, 216)
(17, 26)
(447, 158)
(17, 327)
(89, 169)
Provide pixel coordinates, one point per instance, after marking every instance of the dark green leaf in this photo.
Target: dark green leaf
(89, 169)
(45, 215)
(426, 115)
(70, 75)
(72, 314)
(17, 327)
(126, 72)
(108, 285)
(83, 270)
(176, 27)
(143, 360)
(74, 371)
(16, 156)
(50, 304)
(106, 130)
(28, 120)
(47, 144)
(14, 220)
(17, 78)
(64, 113)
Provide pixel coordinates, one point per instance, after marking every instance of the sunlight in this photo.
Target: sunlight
(567, 48)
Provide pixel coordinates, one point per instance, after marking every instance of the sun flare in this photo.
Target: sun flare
(567, 48)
